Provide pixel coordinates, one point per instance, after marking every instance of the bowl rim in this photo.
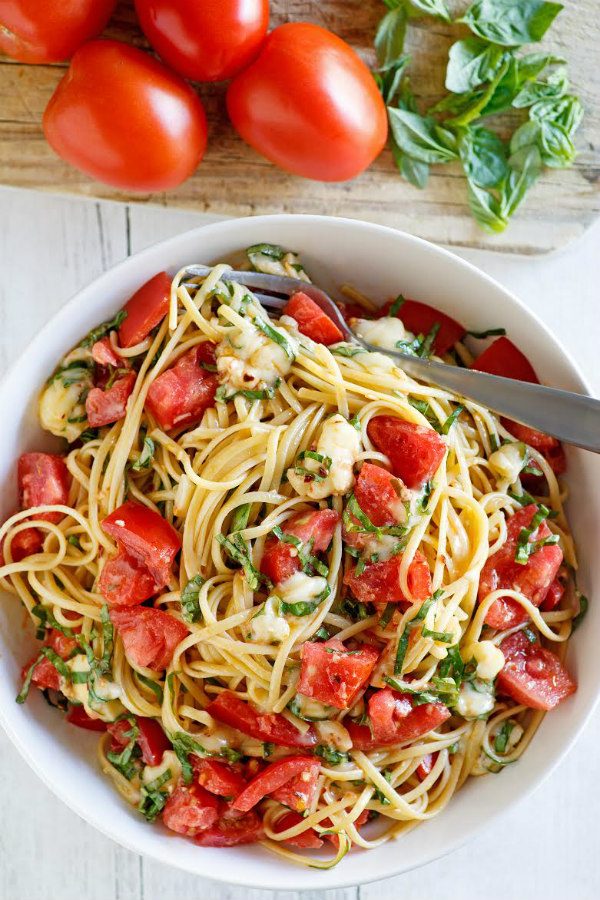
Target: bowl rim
(335, 877)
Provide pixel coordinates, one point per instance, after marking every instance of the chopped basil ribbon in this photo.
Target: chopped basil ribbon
(145, 457)
(124, 761)
(346, 350)
(356, 610)
(153, 685)
(100, 331)
(583, 608)
(524, 499)
(73, 539)
(444, 636)
(447, 425)
(365, 525)
(183, 745)
(525, 547)
(222, 395)
(422, 345)
(308, 561)
(403, 639)
(241, 517)
(387, 615)
(491, 332)
(331, 756)
(190, 603)
(153, 800)
(396, 305)
(238, 550)
(305, 607)
(272, 251)
(501, 740)
(322, 634)
(275, 336)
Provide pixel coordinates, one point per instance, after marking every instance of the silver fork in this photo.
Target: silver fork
(573, 418)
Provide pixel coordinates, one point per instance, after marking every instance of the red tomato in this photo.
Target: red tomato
(269, 727)
(190, 810)
(415, 452)
(45, 675)
(395, 720)
(103, 407)
(361, 820)
(275, 776)
(307, 840)
(218, 777)
(425, 766)
(152, 741)
(119, 732)
(145, 309)
(554, 595)
(149, 636)
(126, 582)
(147, 536)
(533, 579)
(355, 311)
(205, 40)
(78, 716)
(377, 493)
(533, 675)
(103, 353)
(123, 118)
(310, 105)
(380, 582)
(311, 319)
(45, 31)
(300, 792)
(60, 643)
(23, 544)
(180, 395)
(280, 560)
(421, 318)
(232, 829)
(503, 358)
(333, 674)
(44, 480)
(550, 447)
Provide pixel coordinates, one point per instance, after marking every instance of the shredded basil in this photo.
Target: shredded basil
(583, 608)
(272, 251)
(443, 636)
(331, 756)
(491, 332)
(275, 336)
(397, 304)
(183, 745)
(100, 331)
(526, 547)
(387, 614)
(346, 350)
(501, 739)
(190, 602)
(238, 550)
(310, 563)
(447, 425)
(153, 685)
(305, 607)
(153, 800)
(241, 517)
(145, 457)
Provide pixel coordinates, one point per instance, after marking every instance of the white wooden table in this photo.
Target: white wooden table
(545, 850)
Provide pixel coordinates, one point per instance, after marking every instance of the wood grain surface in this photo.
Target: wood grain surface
(234, 180)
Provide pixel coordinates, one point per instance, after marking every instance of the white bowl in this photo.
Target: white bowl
(382, 263)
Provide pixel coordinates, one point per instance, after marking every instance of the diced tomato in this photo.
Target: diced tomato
(218, 778)
(63, 645)
(333, 674)
(501, 571)
(103, 407)
(190, 810)
(550, 447)
(380, 582)
(311, 319)
(268, 727)
(355, 311)
(126, 582)
(78, 716)
(425, 766)
(274, 777)
(148, 306)
(146, 535)
(103, 353)
(421, 318)
(307, 839)
(151, 738)
(533, 675)
(300, 791)
(180, 395)
(45, 675)
(415, 452)
(503, 358)
(232, 829)
(395, 720)
(280, 560)
(150, 636)
(44, 480)
(376, 491)
(119, 731)
(23, 544)
(554, 595)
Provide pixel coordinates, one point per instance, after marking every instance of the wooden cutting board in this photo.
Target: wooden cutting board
(234, 180)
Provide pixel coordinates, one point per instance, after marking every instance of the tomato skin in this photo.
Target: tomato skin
(274, 777)
(554, 595)
(103, 407)
(121, 117)
(503, 358)
(380, 582)
(394, 720)
(205, 40)
(533, 675)
(60, 643)
(306, 840)
(420, 318)
(310, 105)
(333, 674)
(269, 727)
(45, 31)
(376, 495)
(181, 394)
(280, 560)
(149, 636)
(104, 355)
(146, 535)
(151, 739)
(45, 675)
(44, 480)
(218, 778)
(311, 319)
(425, 766)
(78, 716)
(232, 829)
(24, 543)
(550, 447)
(124, 581)
(301, 791)
(145, 309)
(415, 452)
(190, 810)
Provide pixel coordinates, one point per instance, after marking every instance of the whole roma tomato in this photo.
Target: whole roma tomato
(44, 31)
(309, 104)
(205, 40)
(122, 117)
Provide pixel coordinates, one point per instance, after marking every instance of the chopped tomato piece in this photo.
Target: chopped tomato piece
(533, 579)
(333, 674)
(377, 492)
(415, 452)
(44, 480)
(269, 727)
(503, 358)
(300, 791)
(151, 738)
(103, 407)
(23, 544)
(355, 311)
(306, 840)
(425, 766)
(190, 810)
(103, 353)
(311, 319)
(45, 675)
(554, 595)
(533, 675)
(126, 582)
(380, 582)
(149, 636)
(420, 318)
(232, 829)
(280, 560)
(148, 306)
(180, 395)
(550, 447)
(147, 536)
(78, 716)
(218, 777)
(61, 643)
(274, 777)
(395, 720)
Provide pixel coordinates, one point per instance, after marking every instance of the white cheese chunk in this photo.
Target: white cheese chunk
(268, 626)
(474, 702)
(384, 332)
(508, 460)
(340, 442)
(489, 659)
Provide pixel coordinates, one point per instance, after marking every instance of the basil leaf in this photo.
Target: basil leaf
(436, 8)
(447, 425)
(511, 22)
(389, 38)
(152, 799)
(183, 745)
(145, 457)
(240, 517)
(190, 600)
(565, 111)
(331, 756)
(237, 548)
(421, 137)
(501, 739)
(272, 251)
(471, 62)
(554, 85)
(387, 614)
(583, 608)
(102, 330)
(483, 155)
(276, 336)
(153, 685)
